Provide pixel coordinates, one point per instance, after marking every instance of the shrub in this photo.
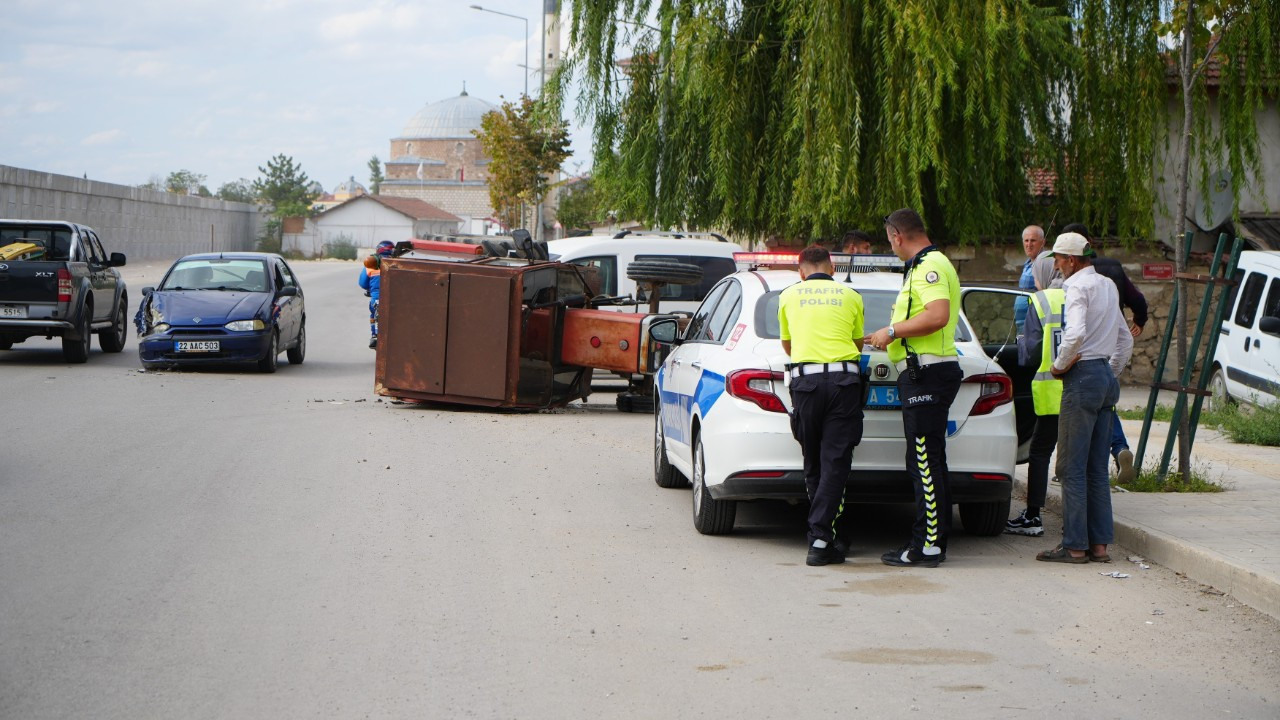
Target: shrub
(1149, 480)
(1255, 425)
(341, 248)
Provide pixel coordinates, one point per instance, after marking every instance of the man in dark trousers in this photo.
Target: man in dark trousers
(820, 323)
(921, 344)
(1133, 299)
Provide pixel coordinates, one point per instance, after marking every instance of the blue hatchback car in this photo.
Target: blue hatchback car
(214, 308)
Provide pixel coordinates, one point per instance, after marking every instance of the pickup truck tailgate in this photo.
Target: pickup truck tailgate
(29, 281)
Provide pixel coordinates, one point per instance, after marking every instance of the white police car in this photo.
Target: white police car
(721, 418)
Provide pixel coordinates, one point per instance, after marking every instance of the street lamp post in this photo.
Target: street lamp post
(526, 38)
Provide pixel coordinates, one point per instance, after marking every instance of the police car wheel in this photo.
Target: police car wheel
(664, 474)
(710, 516)
(985, 519)
(664, 271)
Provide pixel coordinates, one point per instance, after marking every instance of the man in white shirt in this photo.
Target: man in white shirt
(1095, 348)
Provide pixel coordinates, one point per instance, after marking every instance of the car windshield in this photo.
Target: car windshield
(876, 308)
(217, 274)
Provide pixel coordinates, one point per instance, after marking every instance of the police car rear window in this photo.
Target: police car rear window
(876, 308)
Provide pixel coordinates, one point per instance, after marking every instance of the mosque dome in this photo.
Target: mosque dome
(454, 117)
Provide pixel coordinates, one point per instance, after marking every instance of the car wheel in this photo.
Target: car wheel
(1219, 398)
(663, 474)
(268, 362)
(112, 339)
(298, 352)
(986, 519)
(710, 516)
(77, 350)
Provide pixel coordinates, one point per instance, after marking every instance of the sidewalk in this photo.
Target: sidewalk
(1229, 540)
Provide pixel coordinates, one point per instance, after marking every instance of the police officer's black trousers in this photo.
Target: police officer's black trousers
(925, 405)
(826, 419)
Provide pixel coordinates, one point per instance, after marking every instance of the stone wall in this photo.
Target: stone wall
(142, 224)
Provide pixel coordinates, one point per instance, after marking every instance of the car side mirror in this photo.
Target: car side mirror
(1270, 325)
(117, 260)
(288, 291)
(665, 332)
(146, 291)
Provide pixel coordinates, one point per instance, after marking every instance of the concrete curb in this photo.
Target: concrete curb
(1260, 591)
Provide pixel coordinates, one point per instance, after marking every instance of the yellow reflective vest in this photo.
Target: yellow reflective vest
(1046, 390)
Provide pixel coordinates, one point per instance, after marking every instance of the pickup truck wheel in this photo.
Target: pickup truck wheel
(710, 516)
(112, 339)
(77, 350)
(268, 362)
(985, 519)
(298, 352)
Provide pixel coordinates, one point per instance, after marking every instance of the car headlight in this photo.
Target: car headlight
(160, 328)
(245, 325)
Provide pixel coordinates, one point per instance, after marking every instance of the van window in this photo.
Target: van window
(714, 269)
(1249, 299)
(1272, 308)
(608, 267)
(1237, 278)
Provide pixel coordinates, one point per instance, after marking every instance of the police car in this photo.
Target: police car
(722, 423)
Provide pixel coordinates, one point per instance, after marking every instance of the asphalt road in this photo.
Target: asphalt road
(222, 543)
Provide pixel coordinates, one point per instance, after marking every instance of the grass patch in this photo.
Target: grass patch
(1208, 418)
(1250, 424)
(1149, 481)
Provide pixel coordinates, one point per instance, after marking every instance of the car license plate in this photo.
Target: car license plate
(883, 397)
(197, 346)
(13, 311)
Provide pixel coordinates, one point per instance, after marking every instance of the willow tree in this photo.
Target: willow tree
(804, 117)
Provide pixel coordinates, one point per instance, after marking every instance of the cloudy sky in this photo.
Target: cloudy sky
(122, 90)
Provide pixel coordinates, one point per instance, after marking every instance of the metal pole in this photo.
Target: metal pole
(1216, 332)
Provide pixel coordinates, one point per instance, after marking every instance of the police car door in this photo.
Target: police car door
(679, 380)
(990, 319)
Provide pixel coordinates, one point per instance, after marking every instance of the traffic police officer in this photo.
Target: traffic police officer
(820, 324)
(921, 342)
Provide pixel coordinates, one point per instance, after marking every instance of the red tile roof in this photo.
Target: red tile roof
(409, 207)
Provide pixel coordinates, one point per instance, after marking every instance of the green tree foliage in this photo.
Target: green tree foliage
(580, 206)
(237, 191)
(184, 182)
(375, 175)
(527, 143)
(285, 187)
(806, 117)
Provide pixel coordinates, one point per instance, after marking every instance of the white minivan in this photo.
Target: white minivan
(1246, 363)
(611, 254)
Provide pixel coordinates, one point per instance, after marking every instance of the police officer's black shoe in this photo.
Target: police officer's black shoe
(908, 556)
(842, 546)
(829, 555)
(373, 342)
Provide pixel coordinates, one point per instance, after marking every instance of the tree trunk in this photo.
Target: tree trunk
(1185, 61)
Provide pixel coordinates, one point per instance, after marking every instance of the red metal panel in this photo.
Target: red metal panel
(480, 336)
(413, 327)
(602, 339)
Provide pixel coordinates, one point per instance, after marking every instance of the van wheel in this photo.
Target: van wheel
(664, 271)
(76, 350)
(1219, 398)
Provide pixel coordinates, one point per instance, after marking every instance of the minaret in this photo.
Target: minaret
(550, 40)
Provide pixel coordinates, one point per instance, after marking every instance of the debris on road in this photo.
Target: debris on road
(1114, 574)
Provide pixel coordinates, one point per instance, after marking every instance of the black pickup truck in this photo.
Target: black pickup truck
(56, 280)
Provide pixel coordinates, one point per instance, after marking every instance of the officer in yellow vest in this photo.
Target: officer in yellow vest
(1038, 345)
(820, 324)
(921, 343)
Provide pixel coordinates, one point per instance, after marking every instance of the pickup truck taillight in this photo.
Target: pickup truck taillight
(755, 386)
(64, 285)
(995, 390)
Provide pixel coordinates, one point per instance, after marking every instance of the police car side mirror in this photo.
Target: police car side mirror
(666, 332)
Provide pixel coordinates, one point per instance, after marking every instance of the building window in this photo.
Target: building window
(459, 149)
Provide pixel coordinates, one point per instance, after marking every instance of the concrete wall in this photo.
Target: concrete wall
(142, 224)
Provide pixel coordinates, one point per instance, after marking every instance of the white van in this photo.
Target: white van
(1246, 363)
(611, 254)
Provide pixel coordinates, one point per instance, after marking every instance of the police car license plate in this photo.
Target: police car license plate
(197, 346)
(13, 311)
(883, 397)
